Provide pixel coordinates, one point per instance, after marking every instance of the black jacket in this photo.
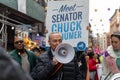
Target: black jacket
(44, 69)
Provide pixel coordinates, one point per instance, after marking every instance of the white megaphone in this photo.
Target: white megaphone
(64, 53)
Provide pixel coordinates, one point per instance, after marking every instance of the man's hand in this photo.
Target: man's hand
(55, 60)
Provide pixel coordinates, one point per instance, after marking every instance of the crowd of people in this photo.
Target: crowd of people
(37, 64)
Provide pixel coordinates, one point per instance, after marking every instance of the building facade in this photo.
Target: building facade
(14, 13)
(115, 21)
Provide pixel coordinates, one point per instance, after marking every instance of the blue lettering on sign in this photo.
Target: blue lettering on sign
(71, 35)
(67, 17)
(67, 26)
(81, 46)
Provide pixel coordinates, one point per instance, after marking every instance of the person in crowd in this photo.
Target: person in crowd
(43, 49)
(9, 69)
(89, 49)
(37, 51)
(111, 57)
(99, 68)
(93, 65)
(49, 68)
(26, 58)
(83, 64)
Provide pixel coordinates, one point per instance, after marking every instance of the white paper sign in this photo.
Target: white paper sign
(70, 19)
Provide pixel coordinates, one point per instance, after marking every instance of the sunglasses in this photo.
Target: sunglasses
(18, 42)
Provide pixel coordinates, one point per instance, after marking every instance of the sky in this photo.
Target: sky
(100, 11)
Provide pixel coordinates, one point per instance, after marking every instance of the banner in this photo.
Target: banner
(70, 19)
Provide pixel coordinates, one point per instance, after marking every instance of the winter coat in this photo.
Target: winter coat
(43, 70)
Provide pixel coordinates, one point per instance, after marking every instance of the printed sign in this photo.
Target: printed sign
(70, 19)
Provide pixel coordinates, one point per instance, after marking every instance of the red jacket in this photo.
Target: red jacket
(92, 67)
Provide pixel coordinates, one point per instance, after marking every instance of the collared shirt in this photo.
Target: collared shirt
(25, 63)
(53, 52)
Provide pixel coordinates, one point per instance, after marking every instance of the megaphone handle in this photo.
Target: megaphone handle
(55, 60)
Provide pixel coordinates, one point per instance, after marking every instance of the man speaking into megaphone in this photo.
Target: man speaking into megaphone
(52, 68)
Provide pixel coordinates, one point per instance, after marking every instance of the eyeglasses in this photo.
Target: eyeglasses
(18, 42)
